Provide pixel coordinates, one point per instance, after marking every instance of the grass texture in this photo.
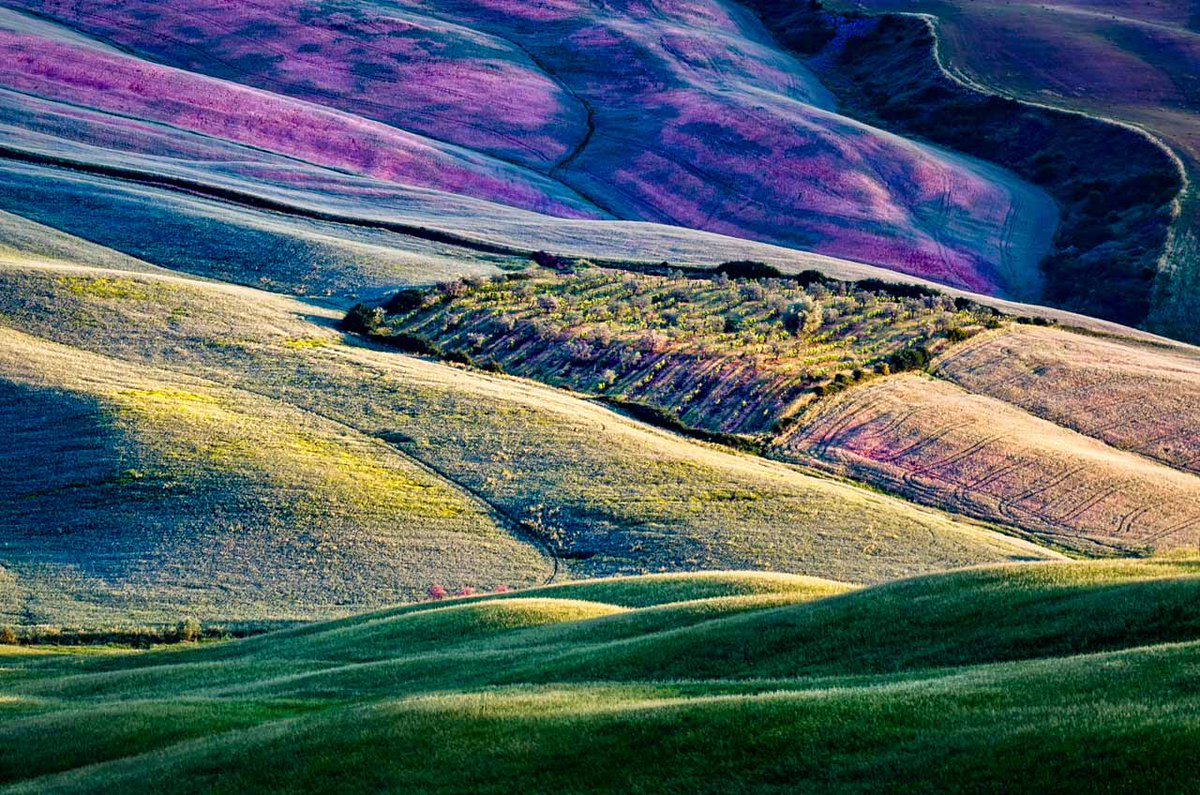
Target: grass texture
(1029, 678)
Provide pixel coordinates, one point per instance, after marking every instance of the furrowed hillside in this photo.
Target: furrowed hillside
(306, 474)
(1046, 678)
(812, 370)
(939, 444)
(1143, 400)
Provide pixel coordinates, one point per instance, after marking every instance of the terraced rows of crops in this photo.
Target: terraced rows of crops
(740, 356)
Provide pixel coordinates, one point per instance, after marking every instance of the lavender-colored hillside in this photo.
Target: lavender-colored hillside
(676, 111)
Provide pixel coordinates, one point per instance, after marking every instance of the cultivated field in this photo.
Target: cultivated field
(938, 444)
(1134, 398)
(736, 356)
(1037, 678)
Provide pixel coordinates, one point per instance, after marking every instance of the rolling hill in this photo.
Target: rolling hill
(281, 472)
(706, 123)
(683, 396)
(1045, 678)
(1082, 441)
(1137, 63)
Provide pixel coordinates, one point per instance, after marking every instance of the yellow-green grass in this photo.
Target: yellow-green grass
(938, 444)
(1059, 677)
(1133, 397)
(608, 494)
(143, 495)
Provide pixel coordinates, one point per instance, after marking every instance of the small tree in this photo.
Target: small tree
(188, 630)
(8, 636)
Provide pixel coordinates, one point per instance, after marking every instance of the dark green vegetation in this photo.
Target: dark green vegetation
(1114, 187)
(736, 356)
(1038, 678)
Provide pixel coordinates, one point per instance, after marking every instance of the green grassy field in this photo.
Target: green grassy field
(1034, 678)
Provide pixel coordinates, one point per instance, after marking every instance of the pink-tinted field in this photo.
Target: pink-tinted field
(681, 111)
(1136, 399)
(937, 444)
(80, 76)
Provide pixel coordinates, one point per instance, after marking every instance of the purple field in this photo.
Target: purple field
(682, 112)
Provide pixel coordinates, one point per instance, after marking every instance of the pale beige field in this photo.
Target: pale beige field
(937, 444)
(1134, 397)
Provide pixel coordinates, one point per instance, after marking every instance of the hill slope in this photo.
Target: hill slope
(941, 400)
(682, 113)
(284, 473)
(1085, 682)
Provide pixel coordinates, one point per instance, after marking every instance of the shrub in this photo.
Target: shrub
(914, 358)
(466, 590)
(809, 277)
(436, 593)
(896, 290)
(547, 260)
(411, 343)
(749, 269)
(8, 636)
(957, 334)
(407, 300)
(188, 630)
(363, 319)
